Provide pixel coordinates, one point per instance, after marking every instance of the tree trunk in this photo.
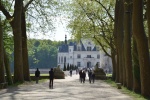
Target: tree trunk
(120, 40)
(2, 72)
(115, 39)
(113, 65)
(127, 43)
(136, 69)
(148, 19)
(142, 46)
(124, 69)
(7, 67)
(24, 48)
(18, 65)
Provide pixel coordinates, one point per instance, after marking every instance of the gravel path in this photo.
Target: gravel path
(64, 89)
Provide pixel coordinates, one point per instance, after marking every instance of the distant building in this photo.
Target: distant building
(81, 54)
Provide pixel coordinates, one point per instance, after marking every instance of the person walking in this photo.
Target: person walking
(80, 76)
(90, 75)
(93, 77)
(83, 76)
(71, 73)
(51, 77)
(37, 75)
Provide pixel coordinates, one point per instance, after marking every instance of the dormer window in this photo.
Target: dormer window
(79, 48)
(88, 48)
(89, 43)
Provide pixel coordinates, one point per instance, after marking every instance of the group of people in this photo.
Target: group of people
(82, 76)
(91, 76)
(51, 77)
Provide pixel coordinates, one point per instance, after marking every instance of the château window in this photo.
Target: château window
(98, 56)
(64, 59)
(88, 56)
(89, 43)
(61, 59)
(88, 48)
(78, 56)
(78, 64)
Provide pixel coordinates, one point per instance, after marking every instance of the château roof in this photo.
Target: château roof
(65, 47)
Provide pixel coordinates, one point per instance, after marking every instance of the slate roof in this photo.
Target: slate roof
(71, 44)
(94, 49)
(82, 46)
(65, 47)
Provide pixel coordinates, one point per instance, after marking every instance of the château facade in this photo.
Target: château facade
(82, 54)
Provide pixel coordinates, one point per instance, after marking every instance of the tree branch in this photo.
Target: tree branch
(27, 5)
(105, 9)
(5, 12)
(102, 46)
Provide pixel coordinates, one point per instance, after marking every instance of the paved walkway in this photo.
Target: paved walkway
(64, 89)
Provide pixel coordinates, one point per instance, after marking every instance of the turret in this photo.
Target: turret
(65, 39)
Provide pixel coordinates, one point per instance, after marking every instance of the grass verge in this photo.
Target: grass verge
(124, 90)
(40, 74)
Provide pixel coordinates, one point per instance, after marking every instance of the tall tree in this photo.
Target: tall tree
(18, 64)
(119, 38)
(136, 68)
(142, 46)
(148, 19)
(24, 46)
(127, 43)
(2, 75)
(15, 22)
(115, 39)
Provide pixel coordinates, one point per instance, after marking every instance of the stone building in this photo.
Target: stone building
(82, 54)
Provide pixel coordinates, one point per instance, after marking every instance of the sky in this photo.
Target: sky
(58, 34)
(61, 31)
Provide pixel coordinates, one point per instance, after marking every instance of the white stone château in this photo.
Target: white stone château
(82, 54)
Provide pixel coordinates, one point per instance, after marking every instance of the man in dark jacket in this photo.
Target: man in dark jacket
(80, 76)
(93, 76)
(90, 75)
(37, 75)
(83, 76)
(51, 77)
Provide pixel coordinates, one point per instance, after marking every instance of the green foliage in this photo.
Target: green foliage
(93, 19)
(82, 13)
(42, 53)
(42, 15)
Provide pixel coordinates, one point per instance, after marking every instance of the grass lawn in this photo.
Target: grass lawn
(126, 91)
(40, 74)
(109, 75)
